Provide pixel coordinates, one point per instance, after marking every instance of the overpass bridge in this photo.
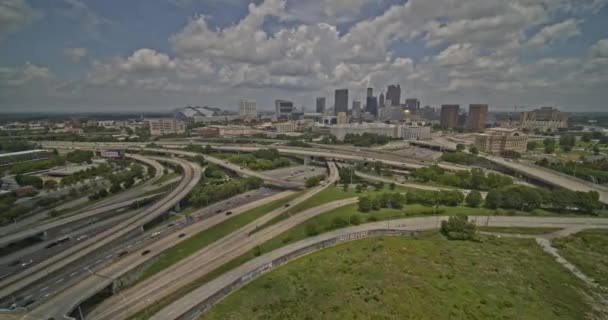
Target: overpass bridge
(551, 177)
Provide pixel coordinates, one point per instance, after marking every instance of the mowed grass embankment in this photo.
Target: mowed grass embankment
(588, 250)
(405, 278)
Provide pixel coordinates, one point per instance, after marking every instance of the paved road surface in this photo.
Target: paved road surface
(134, 192)
(192, 175)
(210, 257)
(553, 177)
(412, 185)
(65, 301)
(188, 303)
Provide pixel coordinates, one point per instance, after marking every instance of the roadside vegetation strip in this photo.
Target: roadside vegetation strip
(331, 220)
(518, 230)
(330, 194)
(208, 236)
(588, 251)
(441, 279)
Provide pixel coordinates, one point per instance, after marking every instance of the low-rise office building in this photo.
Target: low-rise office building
(497, 140)
(164, 126)
(286, 127)
(340, 131)
(415, 132)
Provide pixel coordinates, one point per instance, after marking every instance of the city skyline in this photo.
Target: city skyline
(76, 56)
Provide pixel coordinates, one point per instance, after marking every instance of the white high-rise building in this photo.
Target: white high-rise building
(248, 110)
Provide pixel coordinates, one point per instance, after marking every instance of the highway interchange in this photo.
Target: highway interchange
(69, 274)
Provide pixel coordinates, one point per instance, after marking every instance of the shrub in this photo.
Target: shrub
(458, 228)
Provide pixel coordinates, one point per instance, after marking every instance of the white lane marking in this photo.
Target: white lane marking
(59, 281)
(27, 297)
(98, 261)
(129, 246)
(46, 295)
(73, 273)
(108, 257)
(43, 289)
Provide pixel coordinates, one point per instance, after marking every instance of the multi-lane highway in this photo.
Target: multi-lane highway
(552, 177)
(209, 258)
(49, 267)
(147, 292)
(204, 219)
(108, 204)
(548, 176)
(194, 303)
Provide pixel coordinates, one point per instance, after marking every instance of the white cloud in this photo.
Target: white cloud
(14, 14)
(473, 52)
(556, 32)
(600, 49)
(76, 54)
(24, 75)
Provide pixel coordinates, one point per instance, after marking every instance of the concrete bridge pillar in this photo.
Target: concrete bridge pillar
(307, 160)
(177, 207)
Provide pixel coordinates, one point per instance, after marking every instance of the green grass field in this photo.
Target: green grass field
(518, 230)
(206, 237)
(405, 278)
(588, 250)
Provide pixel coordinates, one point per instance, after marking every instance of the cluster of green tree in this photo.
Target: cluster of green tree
(15, 145)
(474, 179)
(9, 211)
(298, 143)
(26, 180)
(458, 228)
(366, 139)
(200, 149)
(567, 142)
(593, 171)
(510, 154)
(102, 170)
(347, 175)
(384, 200)
(37, 165)
(125, 178)
(460, 158)
(80, 156)
(206, 194)
(450, 198)
(99, 195)
(260, 160)
(314, 181)
(527, 199)
(594, 135)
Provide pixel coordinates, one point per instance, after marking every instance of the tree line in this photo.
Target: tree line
(474, 179)
(512, 197)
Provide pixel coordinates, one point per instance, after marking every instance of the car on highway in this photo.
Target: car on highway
(145, 252)
(228, 213)
(287, 205)
(155, 234)
(122, 254)
(181, 235)
(82, 237)
(27, 263)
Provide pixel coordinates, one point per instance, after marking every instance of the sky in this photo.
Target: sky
(155, 55)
